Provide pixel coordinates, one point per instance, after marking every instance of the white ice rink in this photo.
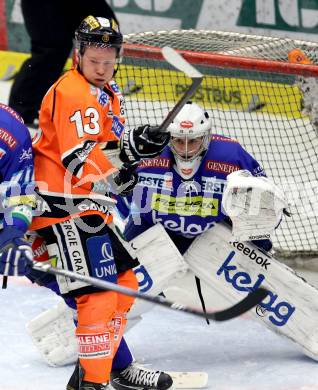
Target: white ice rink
(238, 355)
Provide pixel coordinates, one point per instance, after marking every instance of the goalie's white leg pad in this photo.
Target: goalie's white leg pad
(159, 257)
(53, 333)
(160, 263)
(235, 268)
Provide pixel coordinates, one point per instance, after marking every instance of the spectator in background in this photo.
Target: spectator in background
(50, 25)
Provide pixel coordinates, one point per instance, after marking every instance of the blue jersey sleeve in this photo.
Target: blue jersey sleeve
(249, 163)
(17, 172)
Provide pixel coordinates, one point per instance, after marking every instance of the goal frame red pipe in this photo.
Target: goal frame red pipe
(224, 61)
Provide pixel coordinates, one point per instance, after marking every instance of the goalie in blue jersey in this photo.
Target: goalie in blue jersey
(17, 193)
(183, 189)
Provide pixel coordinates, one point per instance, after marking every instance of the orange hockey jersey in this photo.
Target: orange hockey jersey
(77, 120)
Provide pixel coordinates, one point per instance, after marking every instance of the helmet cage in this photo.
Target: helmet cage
(185, 155)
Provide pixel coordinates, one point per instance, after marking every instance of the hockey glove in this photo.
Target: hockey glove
(125, 179)
(143, 142)
(15, 253)
(122, 182)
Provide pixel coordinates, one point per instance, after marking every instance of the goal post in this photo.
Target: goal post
(253, 94)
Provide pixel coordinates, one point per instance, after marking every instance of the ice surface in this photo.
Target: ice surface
(238, 355)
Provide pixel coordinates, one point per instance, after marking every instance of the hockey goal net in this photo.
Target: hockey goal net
(253, 90)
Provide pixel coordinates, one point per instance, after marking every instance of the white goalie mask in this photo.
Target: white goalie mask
(190, 135)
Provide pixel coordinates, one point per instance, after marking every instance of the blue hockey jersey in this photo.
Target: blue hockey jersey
(16, 171)
(185, 207)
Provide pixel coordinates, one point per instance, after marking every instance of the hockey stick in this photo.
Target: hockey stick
(251, 300)
(176, 60)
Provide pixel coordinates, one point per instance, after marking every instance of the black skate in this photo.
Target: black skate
(95, 386)
(76, 381)
(76, 378)
(138, 377)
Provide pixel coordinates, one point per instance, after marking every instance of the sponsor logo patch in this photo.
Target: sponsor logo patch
(213, 185)
(278, 311)
(263, 261)
(103, 98)
(91, 346)
(117, 323)
(101, 258)
(12, 112)
(83, 153)
(222, 138)
(117, 126)
(186, 205)
(74, 247)
(25, 155)
(144, 279)
(114, 86)
(153, 180)
(8, 138)
(186, 124)
(221, 167)
(159, 162)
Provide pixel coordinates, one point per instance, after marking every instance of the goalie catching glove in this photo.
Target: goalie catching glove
(142, 143)
(254, 204)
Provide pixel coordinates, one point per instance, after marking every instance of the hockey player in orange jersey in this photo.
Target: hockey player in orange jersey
(80, 114)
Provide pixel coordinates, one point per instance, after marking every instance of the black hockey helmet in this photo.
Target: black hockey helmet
(98, 31)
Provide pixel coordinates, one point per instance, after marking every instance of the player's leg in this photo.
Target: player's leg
(133, 375)
(79, 245)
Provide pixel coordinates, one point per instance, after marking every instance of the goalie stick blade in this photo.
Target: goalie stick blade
(188, 379)
(251, 300)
